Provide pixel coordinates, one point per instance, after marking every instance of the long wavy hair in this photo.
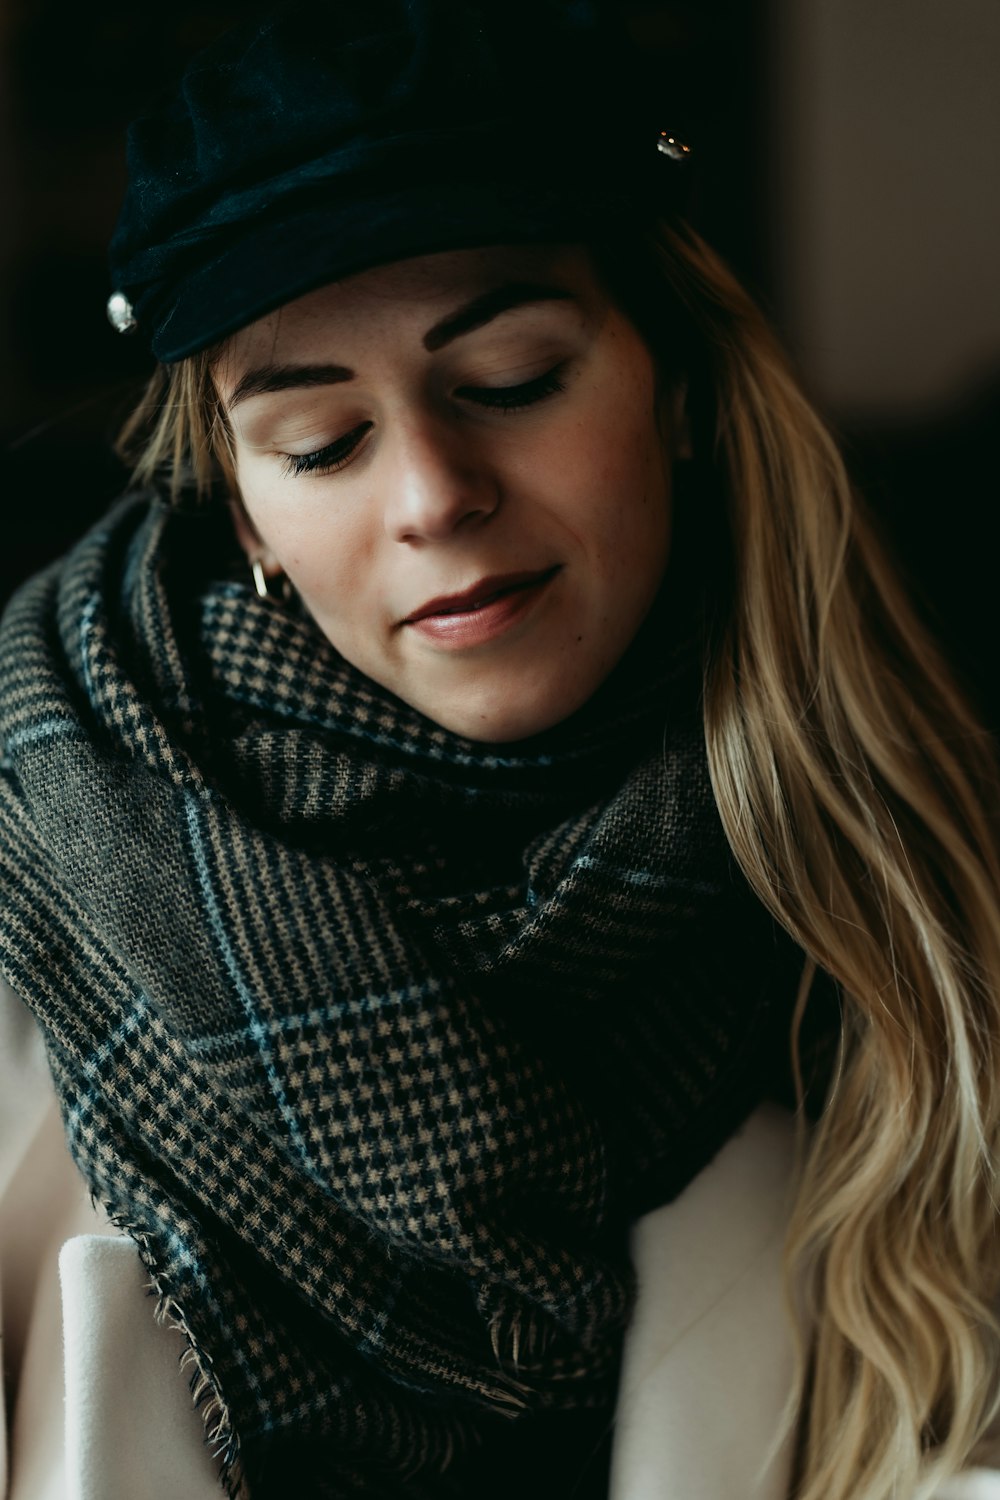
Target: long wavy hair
(859, 795)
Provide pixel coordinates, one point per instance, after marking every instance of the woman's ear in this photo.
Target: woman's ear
(249, 539)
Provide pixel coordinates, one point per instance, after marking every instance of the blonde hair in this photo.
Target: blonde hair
(857, 791)
(177, 437)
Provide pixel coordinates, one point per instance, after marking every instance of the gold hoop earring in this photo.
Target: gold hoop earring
(279, 595)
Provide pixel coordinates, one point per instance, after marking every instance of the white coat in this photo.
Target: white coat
(98, 1405)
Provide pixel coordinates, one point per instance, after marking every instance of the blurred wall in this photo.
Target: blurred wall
(884, 236)
(886, 143)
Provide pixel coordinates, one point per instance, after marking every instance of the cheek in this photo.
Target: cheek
(618, 467)
(314, 540)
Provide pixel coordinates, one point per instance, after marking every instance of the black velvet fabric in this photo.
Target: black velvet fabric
(331, 137)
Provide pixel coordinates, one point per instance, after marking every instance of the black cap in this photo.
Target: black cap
(340, 135)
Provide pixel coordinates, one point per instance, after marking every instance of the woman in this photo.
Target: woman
(395, 941)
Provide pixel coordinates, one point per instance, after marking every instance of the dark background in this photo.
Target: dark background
(831, 138)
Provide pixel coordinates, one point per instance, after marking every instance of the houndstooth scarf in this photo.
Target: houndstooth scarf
(373, 1038)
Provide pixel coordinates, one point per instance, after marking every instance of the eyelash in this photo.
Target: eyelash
(503, 398)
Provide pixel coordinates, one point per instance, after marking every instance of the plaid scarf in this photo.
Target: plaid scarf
(372, 1037)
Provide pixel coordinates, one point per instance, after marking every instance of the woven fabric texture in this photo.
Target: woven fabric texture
(374, 1038)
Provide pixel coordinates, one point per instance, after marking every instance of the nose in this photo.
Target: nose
(439, 482)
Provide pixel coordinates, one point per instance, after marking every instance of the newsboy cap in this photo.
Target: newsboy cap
(335, 135)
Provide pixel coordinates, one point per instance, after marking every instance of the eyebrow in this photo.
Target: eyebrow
(475, 314)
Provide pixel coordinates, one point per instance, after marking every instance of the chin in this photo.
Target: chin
(500, 719)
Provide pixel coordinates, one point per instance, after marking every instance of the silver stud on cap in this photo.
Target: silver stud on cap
(120, 314)
(672, 147)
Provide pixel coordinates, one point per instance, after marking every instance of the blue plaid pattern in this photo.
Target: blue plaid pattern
(373, 1038)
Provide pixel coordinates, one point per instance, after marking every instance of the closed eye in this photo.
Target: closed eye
(502, 398)
(327, 459)
(514, 397)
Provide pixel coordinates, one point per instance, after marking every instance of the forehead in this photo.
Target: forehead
(408, 294)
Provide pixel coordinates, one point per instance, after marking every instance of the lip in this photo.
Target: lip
(481, 593)
(481, 613)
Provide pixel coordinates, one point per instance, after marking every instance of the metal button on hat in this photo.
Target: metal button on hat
(120, 314)
(672, 147)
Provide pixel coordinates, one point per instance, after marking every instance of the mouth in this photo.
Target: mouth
(482, 594)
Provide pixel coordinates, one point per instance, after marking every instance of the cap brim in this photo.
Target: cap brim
(279, 260)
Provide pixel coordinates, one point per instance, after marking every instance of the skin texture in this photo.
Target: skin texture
(441, 490)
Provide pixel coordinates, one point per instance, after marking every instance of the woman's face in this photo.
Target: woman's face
(462, 463)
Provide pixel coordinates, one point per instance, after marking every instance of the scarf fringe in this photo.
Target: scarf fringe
(221, 1437)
